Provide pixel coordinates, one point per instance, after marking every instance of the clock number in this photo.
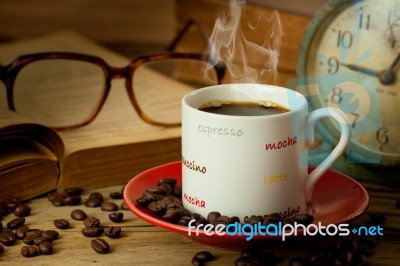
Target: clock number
(336, 96)
(393, 17)
(345, 39)
(356, 116)
(364, 24)
(333, 64)
(382, 135)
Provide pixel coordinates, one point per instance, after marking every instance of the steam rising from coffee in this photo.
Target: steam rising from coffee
(249, 46)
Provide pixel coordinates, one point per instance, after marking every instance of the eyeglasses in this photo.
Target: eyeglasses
(67, 90)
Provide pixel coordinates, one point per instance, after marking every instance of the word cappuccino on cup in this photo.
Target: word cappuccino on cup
(245, 150)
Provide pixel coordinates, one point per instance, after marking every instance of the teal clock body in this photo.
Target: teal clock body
(350, 59)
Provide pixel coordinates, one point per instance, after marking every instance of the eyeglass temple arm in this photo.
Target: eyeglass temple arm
(184, 30)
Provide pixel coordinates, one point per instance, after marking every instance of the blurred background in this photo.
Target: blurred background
(140, 26)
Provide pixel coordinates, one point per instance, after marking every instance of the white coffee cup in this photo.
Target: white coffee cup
(251, 165)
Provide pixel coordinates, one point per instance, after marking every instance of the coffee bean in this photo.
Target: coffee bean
(100, 246)
(12, 203)
(184, 220)
(91, 222)
(20, 232)
(223, 219)
(96, 195)
(116, 195)
(92, 232)
(78, 215)
(124, 206)
(212, 217)
(377, 218)
(234, 219)
(197, 262)
(288, 221)
(254, 219)
(52, 234)
(172, 201)
(177, 191)
(15, 223)
(173, 214)
(45, 248)
(34, 232)
(95, 200)
(272, 218)
(61, 223)
(38, 240)
(109, 206)
(201, 220)
(52, 196)
(22, 210)
(58, 200)
(304, 219)
(7, 238)
(157, 190)
(349, 250)
(204, 255)
(157, 207)
(143, 201)
(167, 187)
(153, 196)
(29, 251)
(112, 231)
(72, 200)
(116, 217)
(31, 235)
(169, 181)
(73, 191)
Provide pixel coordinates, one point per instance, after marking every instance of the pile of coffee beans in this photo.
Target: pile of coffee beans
(37, 241)
(164, 200)
(92, 227)
(348, 252)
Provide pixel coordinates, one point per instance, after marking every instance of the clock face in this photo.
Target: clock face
(350, 59)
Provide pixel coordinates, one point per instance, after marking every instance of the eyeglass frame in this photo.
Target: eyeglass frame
(8, 75)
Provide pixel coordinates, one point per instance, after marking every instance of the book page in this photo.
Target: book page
(14, 127)
(117, 122)
(18, 153)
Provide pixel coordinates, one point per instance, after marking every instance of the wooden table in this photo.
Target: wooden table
(144, 244)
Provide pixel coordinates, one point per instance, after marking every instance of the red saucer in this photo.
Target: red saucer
(337, 199)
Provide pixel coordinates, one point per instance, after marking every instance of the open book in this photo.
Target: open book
(111, 150)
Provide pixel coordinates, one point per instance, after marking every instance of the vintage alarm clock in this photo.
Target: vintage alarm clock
(350, 59)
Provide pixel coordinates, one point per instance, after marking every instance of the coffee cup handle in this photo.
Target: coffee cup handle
(345, 134)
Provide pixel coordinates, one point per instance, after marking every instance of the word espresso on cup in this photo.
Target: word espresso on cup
(245, 150)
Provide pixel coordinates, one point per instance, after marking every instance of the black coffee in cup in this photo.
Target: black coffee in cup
(242, 108)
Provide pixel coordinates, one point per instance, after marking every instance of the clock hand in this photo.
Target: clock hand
(388, 76)
(361, 69)
(392, 39)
